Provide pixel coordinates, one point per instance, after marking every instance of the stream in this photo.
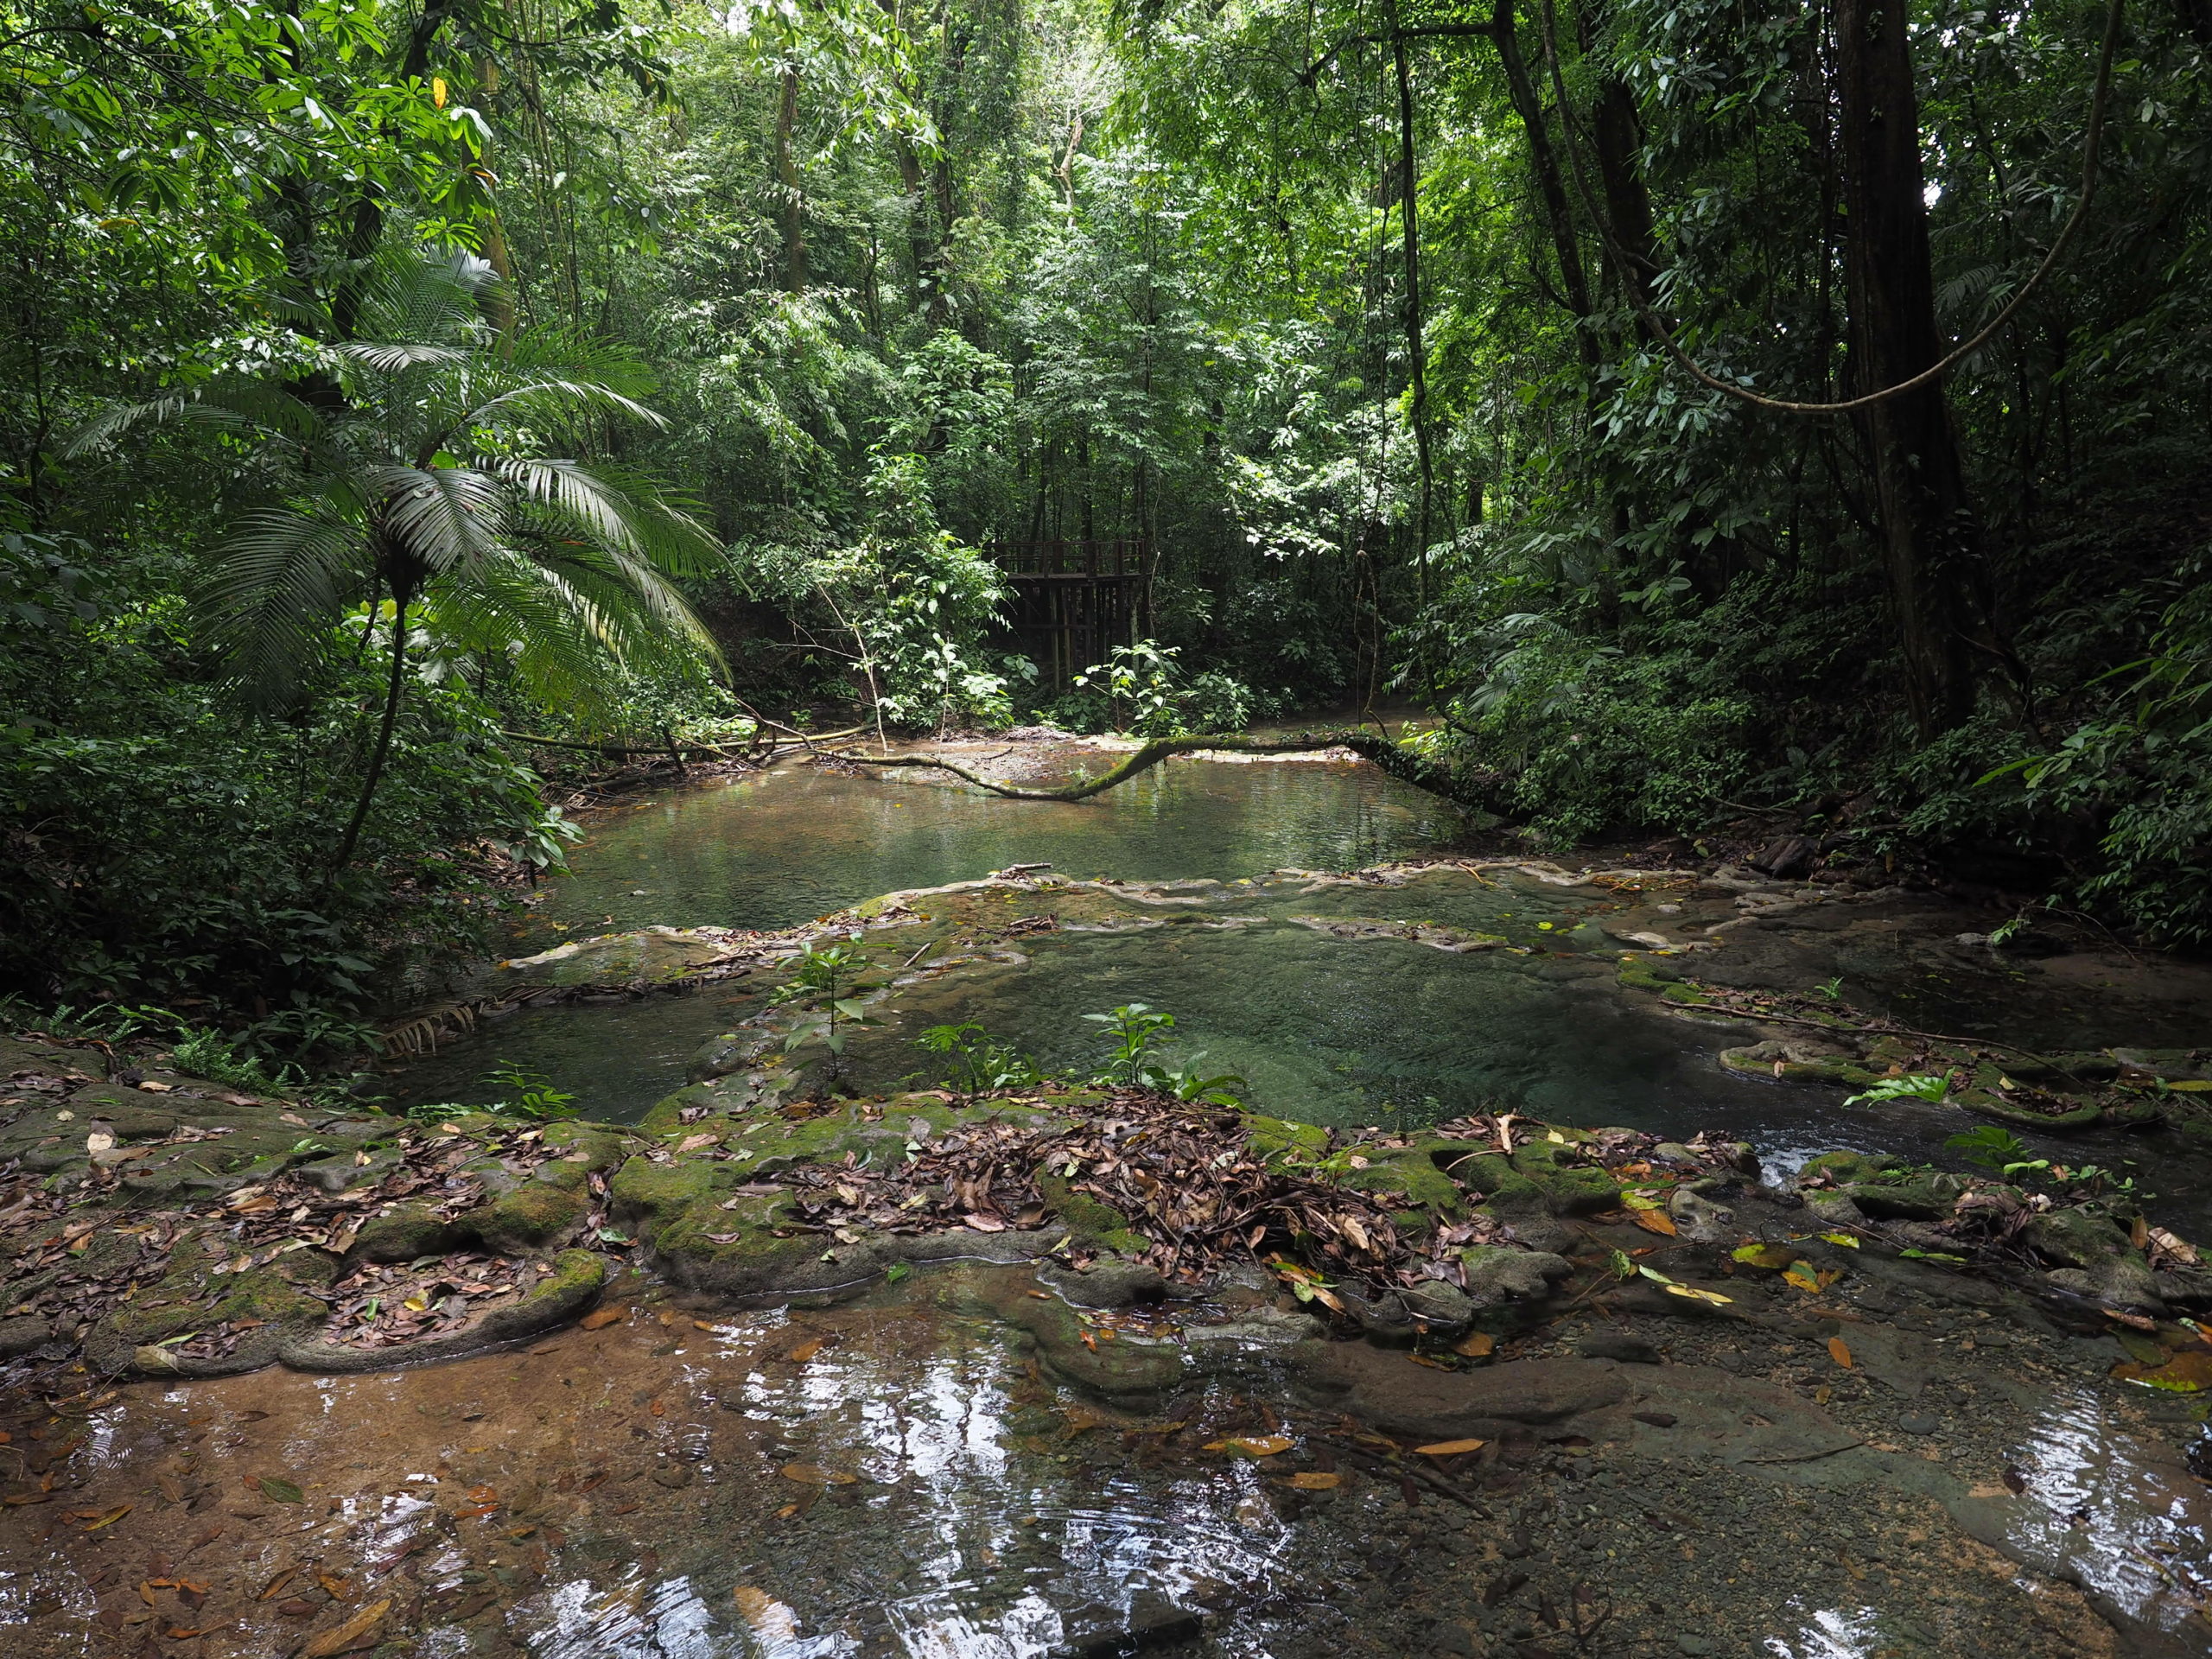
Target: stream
(959, 1467)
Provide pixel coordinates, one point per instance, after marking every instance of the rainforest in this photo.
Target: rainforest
(1079, 827)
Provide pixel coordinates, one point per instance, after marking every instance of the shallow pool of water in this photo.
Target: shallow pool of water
(785, 846)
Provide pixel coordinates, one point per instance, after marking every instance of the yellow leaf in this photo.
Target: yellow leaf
(1840, 1351)
(1693, 1294)
(1847, 1240)
(1313, 1480)
(1640, 1198)
(438, 91)
(1655, 1221)
(1450, 1448)
(111, 1516)
(1771, 1257)
(1261, 1446)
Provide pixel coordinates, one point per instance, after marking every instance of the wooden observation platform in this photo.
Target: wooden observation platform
(1074, 601)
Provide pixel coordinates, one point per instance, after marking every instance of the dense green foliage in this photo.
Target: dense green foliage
(1348, 316)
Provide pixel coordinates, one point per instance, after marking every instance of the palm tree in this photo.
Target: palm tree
(417, 473)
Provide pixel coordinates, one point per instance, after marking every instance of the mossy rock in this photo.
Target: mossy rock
(1847, 1168)
(1090, 1222)
(652, 1196)
(2078, 1237)
(1984, 1102)
(572, 1286)
(1274, 1137)
(1788, 1062)
(1413, 1175)
(1643, 972)
(408, 1232)
(528, 1216)
(1930, 1199)
(1569, 1188)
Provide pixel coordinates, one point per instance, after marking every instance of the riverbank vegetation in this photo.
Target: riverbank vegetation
(1705, 412)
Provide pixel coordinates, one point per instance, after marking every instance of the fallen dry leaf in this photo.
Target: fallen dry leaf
(806, 1351)
(1252, 1445)
(813, 1474)
(1313, 1480)
(773, 1622)
(1450, 1448)
(1475, 1345)
(355, 1633)
(600, 1316)
(1840, 1351)
(1655, 1221)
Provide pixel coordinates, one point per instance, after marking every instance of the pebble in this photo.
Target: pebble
(1915, 1423)
(1694, 1644)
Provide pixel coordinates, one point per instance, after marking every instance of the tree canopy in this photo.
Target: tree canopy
(1480, 355)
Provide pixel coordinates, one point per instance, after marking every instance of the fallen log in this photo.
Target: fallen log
(1480, 789)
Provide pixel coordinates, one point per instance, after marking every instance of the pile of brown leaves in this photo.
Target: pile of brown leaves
(1185, 1176)
(381, 1306)
(41, 1230)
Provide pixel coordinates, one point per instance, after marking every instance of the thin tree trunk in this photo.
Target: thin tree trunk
(1931, 539)
(788, 185)
(500, 302)
(1416, 355)
(375, 774)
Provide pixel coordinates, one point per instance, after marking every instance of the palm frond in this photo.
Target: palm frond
(231, 405)
(615, 508)
(283, 578)
(390, 357)
(446, 519)
(561, 403)
(426, 300)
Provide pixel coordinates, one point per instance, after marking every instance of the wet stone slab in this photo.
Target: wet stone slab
(913, 1474)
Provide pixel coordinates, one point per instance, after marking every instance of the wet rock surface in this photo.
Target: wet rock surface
(943, 1469)
(772, 1371)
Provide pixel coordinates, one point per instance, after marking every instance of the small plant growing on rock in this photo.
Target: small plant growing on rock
(1990, 1145)
(1136, 1029)
(986, 1062)
(822, 980)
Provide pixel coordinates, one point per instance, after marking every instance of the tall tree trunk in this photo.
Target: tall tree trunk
(1618, 133)
(1417, 354)
(788, 187)
(1551, 182)
(1930, 539)
(393, 691)
(499, 303)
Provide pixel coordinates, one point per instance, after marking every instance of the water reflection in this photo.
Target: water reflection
(784, 847)
(2124, 1519)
